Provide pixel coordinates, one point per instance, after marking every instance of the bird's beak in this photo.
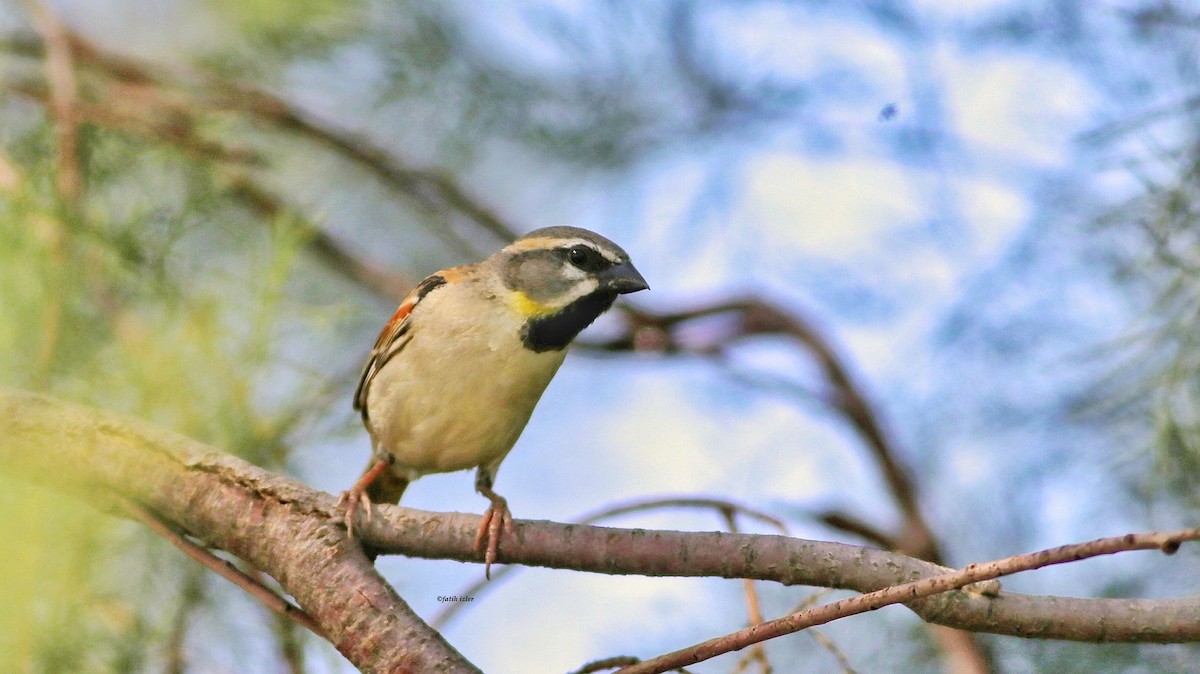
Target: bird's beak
(623, 278)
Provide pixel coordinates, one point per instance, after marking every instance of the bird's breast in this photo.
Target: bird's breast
(458, 396)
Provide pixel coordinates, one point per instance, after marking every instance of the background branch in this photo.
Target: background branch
(64, 95)
(756, 316)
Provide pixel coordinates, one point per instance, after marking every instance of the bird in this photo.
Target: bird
(456, 373)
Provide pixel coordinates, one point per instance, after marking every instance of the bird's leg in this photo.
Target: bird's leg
(494, 520)
(356, 496)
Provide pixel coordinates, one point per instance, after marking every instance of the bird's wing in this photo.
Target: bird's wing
(392, 339)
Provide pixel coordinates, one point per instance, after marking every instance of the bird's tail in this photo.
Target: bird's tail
(387, 487)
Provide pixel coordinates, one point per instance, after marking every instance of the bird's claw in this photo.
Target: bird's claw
(351, 501)
(495, 521)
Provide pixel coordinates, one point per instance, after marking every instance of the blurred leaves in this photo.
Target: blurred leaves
(280, 18)
(58, 613)
(160, 297)
(1157, 256)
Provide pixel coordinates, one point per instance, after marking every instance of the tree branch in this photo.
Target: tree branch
(723, 506)
(789, 561)
(289, 531)
(276, 525)
(1167, 542)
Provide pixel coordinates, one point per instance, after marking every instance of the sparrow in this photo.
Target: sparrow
(456, 373)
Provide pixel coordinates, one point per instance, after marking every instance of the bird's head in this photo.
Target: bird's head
(560, 279)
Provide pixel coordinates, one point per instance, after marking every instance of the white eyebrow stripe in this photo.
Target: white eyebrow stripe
(604, 252)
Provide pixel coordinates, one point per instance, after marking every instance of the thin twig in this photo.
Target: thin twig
(1168, 542)
(606, 663)
(822, 640)
(719, 504)
(843, 521)
(431, 189)
(828, 644)
(190, 596)
(223, 568)
(62, 104)
(758, 653)
(64, 94)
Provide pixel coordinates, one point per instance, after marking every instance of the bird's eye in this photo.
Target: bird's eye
(579, 256)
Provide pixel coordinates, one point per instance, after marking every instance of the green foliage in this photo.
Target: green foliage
(1159, 260)
(283, 28)
(160, 297)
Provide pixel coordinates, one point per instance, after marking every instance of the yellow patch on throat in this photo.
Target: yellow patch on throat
(527, 306)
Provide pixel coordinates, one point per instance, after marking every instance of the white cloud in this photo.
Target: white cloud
(961, 8)
(797, 43)
(625, 612)
(835, 208)
(993, 212)
(1027, 106)
(662, 439)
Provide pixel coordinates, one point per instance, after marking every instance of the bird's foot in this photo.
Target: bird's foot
(356, 497)
(495, 521)
(351, 501)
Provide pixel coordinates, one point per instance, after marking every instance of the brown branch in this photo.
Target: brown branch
(64, 94)
(222, 568)
(483, 585)
(1167, 542)
(275, 525)
(289, 531)
(828, 644)
(842, 521)
(605, 663)
(790, 561)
